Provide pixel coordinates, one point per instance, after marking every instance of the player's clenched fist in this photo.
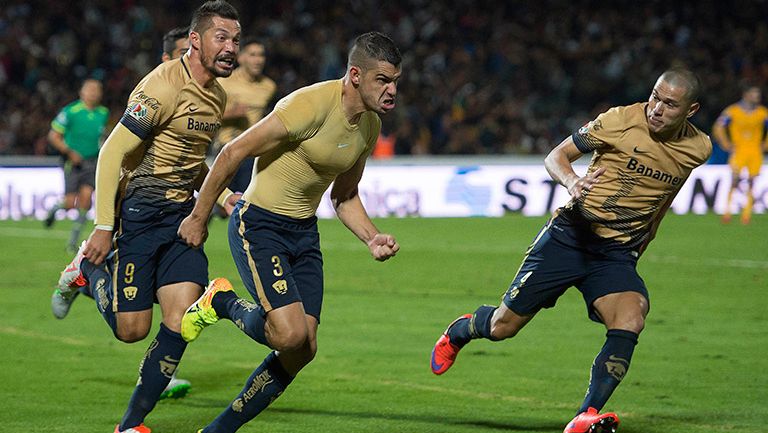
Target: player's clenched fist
(383, 246)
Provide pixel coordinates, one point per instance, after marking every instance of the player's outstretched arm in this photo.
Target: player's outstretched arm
(559, 164)
(119, 143)
(352, 213)
(255, 141)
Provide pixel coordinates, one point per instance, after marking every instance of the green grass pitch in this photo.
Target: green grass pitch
(700, 366)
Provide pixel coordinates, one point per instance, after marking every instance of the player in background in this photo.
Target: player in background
(175, 43)
(317, 135)
(641, 156)
(159, 146)
(742, 130)
(76, 134)
(249, 93)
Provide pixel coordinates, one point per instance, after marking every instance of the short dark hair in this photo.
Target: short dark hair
(747, 85)
(373, 46)
(244, 42)
(682, 76)
(201, 19)
(173, 35)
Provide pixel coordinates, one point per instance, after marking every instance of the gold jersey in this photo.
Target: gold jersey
(642, 175)
(746, 128)
(291, 179)
(177, 119)
(256, 95)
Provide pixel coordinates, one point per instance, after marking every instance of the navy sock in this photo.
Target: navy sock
(477, 326)
(609, 368)
(100, 284)
(155, 372)
(86, 290)
(264, 385)
(249, 317)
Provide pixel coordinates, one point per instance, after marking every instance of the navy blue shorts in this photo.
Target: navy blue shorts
(553, 263)
(150, 255)
(278, 258)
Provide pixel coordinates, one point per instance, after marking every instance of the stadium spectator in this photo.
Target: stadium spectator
(504, 77)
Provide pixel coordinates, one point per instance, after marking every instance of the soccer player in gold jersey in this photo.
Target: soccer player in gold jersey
(318, 134)
(641, 156)
(249, 93)
(159, 145)
(742, 130)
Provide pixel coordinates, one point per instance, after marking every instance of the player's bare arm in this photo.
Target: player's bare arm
(255, 141)
(351, 212)
(559, 165)
(227, 199)
(721, 135)
(119, 143)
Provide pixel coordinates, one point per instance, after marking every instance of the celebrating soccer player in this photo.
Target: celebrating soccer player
(159, 145)
(642, 155)
(318, 134)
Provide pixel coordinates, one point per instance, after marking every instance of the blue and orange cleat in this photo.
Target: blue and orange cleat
(141, 428)
(201, 314)
(593, 422)
(444, 353)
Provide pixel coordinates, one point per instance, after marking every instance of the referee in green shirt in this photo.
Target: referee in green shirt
(76, 133)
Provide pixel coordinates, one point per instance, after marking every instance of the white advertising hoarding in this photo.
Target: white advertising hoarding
(422, 190)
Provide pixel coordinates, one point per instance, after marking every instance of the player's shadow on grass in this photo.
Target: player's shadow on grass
(484, 424)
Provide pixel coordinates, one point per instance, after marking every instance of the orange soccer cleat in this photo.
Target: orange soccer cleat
(593, 422)
(141, 428)
(444, 353)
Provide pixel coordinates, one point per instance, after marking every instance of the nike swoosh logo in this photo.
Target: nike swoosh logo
(639, 150)
(342, 145)
(435, 366)
(193, 108)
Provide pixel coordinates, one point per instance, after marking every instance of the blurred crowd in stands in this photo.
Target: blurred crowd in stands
(480, 77)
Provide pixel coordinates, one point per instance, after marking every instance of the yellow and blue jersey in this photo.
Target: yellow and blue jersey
(746, 128)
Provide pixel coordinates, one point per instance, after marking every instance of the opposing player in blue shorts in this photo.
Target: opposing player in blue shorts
(318, 134)
(642, 155)
(152, 162)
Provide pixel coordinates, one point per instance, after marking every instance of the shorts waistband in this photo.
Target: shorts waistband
(281, 220)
